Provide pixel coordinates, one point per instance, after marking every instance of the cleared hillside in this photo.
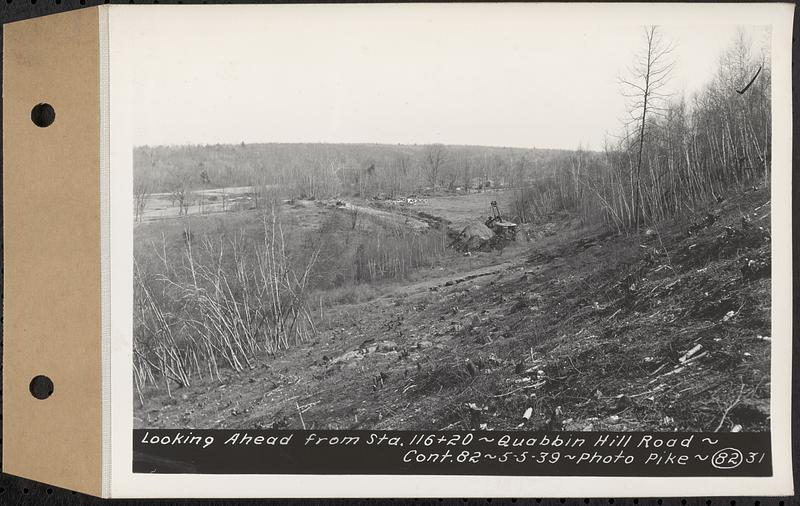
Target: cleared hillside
(668, 329)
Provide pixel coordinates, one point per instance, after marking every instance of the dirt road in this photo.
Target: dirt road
(397, 219)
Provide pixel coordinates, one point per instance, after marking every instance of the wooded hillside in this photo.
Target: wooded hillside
(325, 170)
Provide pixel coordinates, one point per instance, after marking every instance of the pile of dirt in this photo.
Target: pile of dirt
(474, 237)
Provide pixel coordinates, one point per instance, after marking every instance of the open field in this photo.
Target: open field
(462, 210)
(359, 221)
(667, 330)
(164, 205)
(456, 208)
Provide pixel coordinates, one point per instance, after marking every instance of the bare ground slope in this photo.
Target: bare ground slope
(668, 329)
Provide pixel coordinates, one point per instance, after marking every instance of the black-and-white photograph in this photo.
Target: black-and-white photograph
(409, 225)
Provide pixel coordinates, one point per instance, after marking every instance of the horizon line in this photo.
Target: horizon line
(333, 143)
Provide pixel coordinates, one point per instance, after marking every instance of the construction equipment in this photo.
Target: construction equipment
(502, 229)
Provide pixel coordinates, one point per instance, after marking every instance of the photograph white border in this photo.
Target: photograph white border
(122, 482)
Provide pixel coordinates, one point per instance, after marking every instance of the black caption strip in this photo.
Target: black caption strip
(452, 453)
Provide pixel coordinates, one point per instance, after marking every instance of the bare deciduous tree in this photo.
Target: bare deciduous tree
(644, 87)
(466, 172)
(434, 158)
(141, 192)
(180, 193)
(399, 174)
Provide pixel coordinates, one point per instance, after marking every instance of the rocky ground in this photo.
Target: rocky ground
(668, 329)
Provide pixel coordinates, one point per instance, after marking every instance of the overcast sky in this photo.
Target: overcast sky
(505, 75)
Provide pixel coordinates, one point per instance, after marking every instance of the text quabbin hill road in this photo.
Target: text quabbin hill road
(469, 453)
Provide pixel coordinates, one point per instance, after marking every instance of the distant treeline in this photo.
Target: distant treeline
(326, 170)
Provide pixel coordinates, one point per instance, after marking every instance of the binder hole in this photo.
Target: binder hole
(41, 387)
(43, 115)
